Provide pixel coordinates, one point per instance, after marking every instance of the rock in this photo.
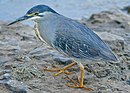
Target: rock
(127, 40)
(102, 73)
(63, 60)
(7, 76)
(36, 51)
(114, 41)
(115, 23)
(5, 71)
(22, 57)
(42, 56)
(100, 18)
(106, 36)
(113, 71)
(126, 9)
(16, 86)
(18, 52)
(3, 61)
(128, 82)
(3, 89)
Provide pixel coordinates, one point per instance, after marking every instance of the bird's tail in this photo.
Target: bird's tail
(109, 55)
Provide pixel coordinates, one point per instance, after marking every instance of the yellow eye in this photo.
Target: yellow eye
(36, 13)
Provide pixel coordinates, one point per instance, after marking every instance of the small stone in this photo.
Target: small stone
(109, 37)
(102, 73)
(7, 76)
(5, 71)
(36, 51)
(128, 82)
(3, 61)
(114, 41)
(16, 86)
(62, 60)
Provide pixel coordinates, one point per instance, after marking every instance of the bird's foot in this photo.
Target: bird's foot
(61, 70)
(58, 70)
(76, 85)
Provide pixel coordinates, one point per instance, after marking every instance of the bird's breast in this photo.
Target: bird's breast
(46, 31)
(37, 32)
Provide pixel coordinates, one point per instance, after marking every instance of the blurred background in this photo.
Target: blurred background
(76, 9)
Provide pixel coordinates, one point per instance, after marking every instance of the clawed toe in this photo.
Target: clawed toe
(76, 85)
(63, 70)
(58, 70)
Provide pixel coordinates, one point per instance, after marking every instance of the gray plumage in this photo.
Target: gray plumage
(67, 36)
(73, 38)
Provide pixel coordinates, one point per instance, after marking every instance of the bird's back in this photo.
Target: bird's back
(75, 39)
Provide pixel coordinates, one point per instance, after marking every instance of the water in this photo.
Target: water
(76, 9)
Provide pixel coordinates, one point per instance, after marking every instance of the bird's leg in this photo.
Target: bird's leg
(65, 68)
(61, 70)
(82, 75)
(81, 81)
(58, 68)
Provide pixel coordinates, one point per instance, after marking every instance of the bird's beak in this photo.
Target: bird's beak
(23, 18)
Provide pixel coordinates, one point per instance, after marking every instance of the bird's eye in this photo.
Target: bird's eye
(36, 13)
(32, 14)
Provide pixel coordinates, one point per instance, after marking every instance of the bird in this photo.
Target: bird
(69, 37)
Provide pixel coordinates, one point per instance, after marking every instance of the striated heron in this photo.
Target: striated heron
(69, 37)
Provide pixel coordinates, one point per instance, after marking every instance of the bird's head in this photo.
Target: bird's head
(35, 12)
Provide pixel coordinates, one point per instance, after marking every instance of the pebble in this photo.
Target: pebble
(7, 76)
(16, 86)
(63, 60)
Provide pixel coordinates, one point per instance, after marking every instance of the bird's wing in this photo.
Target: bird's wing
(76, 40)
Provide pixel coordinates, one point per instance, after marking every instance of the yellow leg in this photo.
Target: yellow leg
(81, 85)
(61, 70)
(82, 75)
(66, 72)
